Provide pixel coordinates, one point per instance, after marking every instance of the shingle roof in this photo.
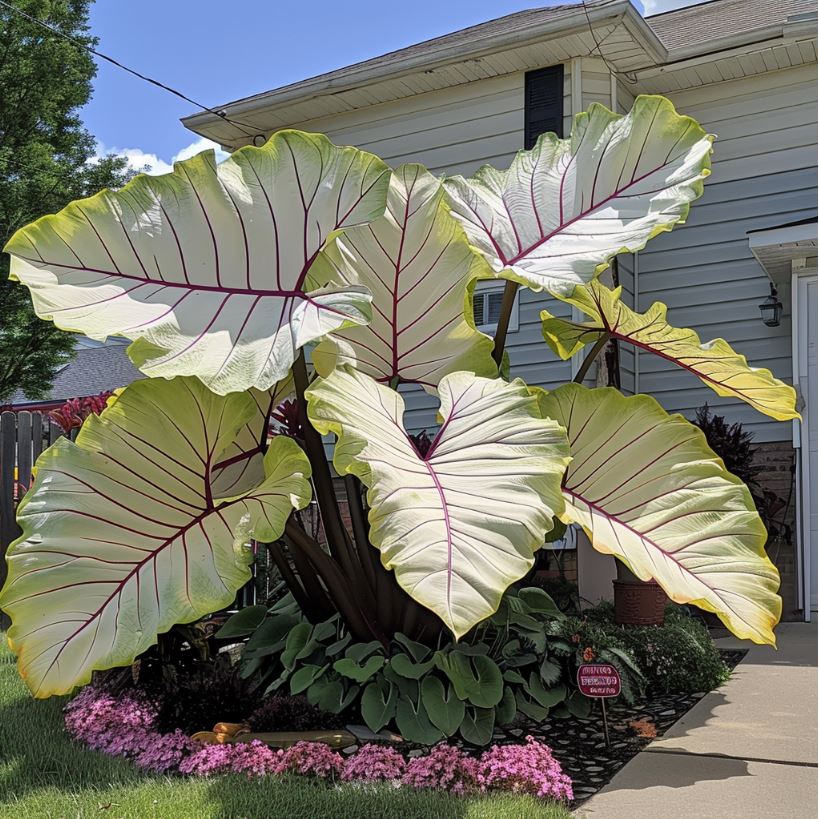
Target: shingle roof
(517, 21)
(92, 371)
(713, 20)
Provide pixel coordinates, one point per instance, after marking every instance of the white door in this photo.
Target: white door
(805, 370)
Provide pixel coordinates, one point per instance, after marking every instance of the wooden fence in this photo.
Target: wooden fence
(23, 436)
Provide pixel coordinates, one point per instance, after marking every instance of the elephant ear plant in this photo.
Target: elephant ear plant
(221, 275)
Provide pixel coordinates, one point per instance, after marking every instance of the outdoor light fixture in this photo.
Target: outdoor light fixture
(771, 309)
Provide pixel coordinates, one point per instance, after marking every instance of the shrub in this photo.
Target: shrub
(194, 700)
(285, 713)
(445, 767)
(529, 768)
(676, 657)
(372, 763)
(595, 640)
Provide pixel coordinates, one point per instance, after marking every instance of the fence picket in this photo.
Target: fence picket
(8, 458)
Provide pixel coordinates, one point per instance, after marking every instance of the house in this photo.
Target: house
(95, 368)
(746, 69)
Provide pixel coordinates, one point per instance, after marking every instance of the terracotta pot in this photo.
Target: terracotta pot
(639, 603)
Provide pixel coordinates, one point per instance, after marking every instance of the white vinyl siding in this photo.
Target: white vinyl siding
(764, 175)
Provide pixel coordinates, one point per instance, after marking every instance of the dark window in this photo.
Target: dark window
(543, 103)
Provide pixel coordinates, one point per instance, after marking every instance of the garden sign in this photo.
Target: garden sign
(602, 681)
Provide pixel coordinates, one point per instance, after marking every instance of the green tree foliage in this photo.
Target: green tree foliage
(44, 164)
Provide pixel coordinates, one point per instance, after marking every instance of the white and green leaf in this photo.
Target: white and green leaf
(123, 537)
(714, 362)
(420, 269)
(561, 211)
(646, 488)
(462, 523)
(204, 268)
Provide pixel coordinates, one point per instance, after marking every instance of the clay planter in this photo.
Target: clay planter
(637, 602)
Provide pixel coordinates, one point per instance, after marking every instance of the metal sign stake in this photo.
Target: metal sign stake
(605, 721)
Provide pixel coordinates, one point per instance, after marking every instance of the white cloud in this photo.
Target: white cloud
(143, 161)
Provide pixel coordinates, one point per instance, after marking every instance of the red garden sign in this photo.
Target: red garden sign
(598, 680)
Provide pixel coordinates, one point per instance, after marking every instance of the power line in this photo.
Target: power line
(42, 23)
(629, 76)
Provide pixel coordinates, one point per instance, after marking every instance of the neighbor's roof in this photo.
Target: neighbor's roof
(713, 20)
(92, 371)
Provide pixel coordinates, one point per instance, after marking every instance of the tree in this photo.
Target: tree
(45, 162)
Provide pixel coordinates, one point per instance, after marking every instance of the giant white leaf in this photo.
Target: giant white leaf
(420, 269)
(205, 267)
(461, 523)
(565, 207)
(123, 537)
(240, 465)
(714, 362)
(647, 489)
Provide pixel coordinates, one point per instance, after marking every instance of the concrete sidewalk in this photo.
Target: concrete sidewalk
(746, 750)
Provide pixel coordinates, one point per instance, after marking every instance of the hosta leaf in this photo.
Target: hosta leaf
(306, 676)
(244, 622)
(566, 206)
(460, 524)
(713, 362)
(647, 489)
(477, 679)
(478, 725)
(355, 671)
(413, 722)
(445, 710)
(507, 708)
(418, 265)
(404, 666)
(378, 704)
(122, 537)
(205, 267)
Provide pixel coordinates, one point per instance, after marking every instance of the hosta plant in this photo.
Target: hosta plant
(515, 662)
(221, 275)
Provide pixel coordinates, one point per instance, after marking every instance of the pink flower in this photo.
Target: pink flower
(446, 767)
(310, 759)
(529, 768)
(164, 753)
(119, 726)
(373, 762)
(251, 758)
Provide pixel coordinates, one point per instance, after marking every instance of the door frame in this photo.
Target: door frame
(800, 276)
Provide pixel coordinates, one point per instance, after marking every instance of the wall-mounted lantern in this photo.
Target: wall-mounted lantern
(771, 309)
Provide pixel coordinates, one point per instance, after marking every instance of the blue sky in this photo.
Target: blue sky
(217, 51)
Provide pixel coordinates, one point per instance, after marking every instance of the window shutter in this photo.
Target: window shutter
(543, 103)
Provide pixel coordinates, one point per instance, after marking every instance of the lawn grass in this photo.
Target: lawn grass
(45, 775)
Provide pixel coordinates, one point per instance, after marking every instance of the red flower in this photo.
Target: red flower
(588, 654)
(575, 638)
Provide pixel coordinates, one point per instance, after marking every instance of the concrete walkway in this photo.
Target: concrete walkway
(747, 750)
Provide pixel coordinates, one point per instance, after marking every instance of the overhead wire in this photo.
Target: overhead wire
(243, 127)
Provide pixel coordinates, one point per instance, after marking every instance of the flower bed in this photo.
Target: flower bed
(125, 725)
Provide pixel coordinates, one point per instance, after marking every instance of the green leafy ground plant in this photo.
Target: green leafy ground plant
(221, 275)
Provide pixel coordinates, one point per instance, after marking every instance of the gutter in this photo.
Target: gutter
(337, 82)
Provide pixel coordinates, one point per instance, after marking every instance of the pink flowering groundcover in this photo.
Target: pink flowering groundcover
(124, 725)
